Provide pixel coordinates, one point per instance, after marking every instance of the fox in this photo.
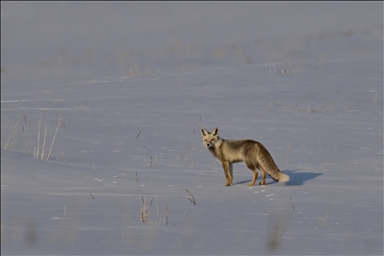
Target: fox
(251, 152)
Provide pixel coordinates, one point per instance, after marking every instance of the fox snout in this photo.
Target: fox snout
(209, 145)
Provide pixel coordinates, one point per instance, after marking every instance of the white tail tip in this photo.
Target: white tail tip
(283, 177)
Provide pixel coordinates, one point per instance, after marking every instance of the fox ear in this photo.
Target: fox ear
(204, 132)
(215, 132)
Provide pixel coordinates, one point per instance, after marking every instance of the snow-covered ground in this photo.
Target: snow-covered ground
(122, 89)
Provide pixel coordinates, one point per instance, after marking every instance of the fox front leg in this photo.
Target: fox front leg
(227, 167)
(231, 171)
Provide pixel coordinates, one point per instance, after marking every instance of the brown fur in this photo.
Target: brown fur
(253, 153)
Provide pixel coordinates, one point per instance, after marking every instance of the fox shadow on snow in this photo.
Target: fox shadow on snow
(296, 178)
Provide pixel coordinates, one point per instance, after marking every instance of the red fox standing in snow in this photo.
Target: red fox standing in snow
(253, 153)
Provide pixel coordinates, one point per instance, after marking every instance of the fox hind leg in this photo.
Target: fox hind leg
(255, 174)
(263, 176)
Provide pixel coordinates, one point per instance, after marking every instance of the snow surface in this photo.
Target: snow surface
(132, 83)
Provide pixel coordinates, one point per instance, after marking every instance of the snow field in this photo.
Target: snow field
(127, 164)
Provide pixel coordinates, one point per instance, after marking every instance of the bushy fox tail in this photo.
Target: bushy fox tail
(283, 177)
(265, 160)
(277, 175)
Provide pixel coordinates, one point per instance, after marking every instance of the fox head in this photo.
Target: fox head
(210, 138)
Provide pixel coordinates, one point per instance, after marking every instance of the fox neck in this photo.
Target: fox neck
(217, 144)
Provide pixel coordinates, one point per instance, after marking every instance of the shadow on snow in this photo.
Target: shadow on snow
(297, 178)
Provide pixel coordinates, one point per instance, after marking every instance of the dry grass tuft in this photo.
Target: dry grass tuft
(144, 217)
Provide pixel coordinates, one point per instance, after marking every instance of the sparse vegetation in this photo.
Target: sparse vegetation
(277, 227)
(192, 198)
(144, 217)
(144, 212)
(186, 153)
(40, 148)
